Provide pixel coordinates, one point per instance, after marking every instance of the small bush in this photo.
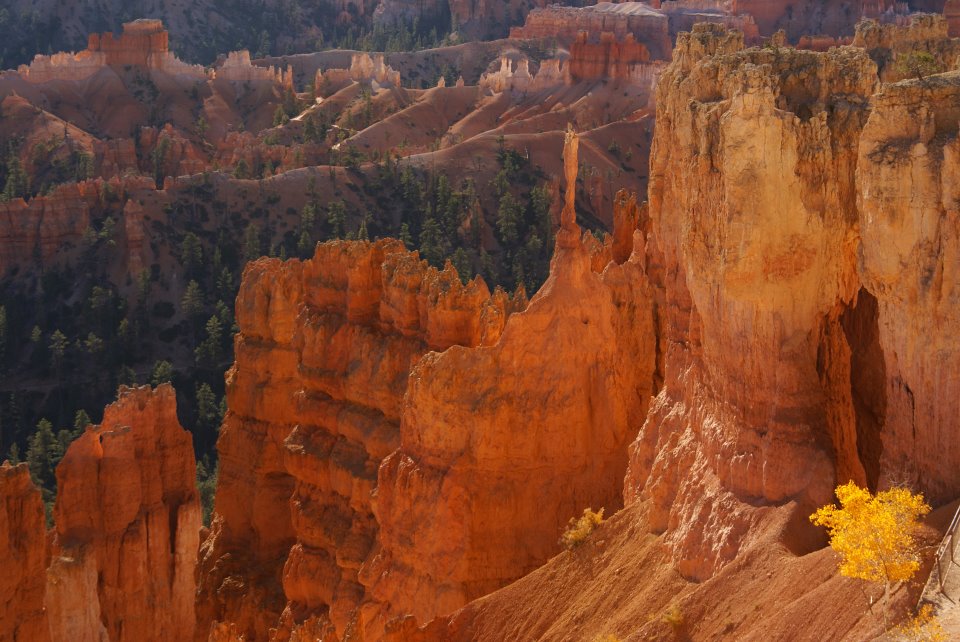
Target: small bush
(673, 617)
(578, 530)
(925, 627)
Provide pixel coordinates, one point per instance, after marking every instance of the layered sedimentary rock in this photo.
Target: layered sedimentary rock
(637, 19)
(610, 58)
(127, 526)
(501, 445)
(894, 47)
(143, 43)
(753, 203)
(322, 360)
(908, 180)
(37, 232)
(23, 549)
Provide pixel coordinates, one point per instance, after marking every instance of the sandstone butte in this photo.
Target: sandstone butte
(397, 444)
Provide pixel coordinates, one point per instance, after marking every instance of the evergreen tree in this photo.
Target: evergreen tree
(208, 411)
(251, 243)
(208, 353)
(18, 183)
(191, 253)
(336, 218)
(192, 302)
(431, 247)
(3, 333)
(58, 349)
(43, 454)
(162, 373)
(508, 218)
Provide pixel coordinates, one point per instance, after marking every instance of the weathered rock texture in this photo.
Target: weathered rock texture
(908, 180)
(23, 549)
(892, 45)
(500, 445)
(753, 202)
(638, 19)
(322, 360)
(127, 526)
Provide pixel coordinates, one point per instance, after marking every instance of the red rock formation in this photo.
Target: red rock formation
(753, 199)
(609, 58)
(647, 25)
(23, 549)
(127, 526)
(38, 231)
(491, 466)
(143, 43)
(139, 41)
(322, 360)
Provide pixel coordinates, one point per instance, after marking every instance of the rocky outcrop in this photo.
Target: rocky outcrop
(322, 361)
(23, 548)
(238, 68)
(894, 46)
(613, 59)
(37, 232)
(753, 204)
(127, 525)
(143, 43)
(491, 466)
(644, 23)
(908, 177)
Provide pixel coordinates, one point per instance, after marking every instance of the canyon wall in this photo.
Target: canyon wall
(908, 179)
(127, 526)
(23, 548)
(322, 360)
(753, 202)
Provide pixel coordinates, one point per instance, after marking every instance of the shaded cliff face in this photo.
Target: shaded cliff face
(753, 203)
(908, 176)
(127, 526)
(323, 355)
(23, 548)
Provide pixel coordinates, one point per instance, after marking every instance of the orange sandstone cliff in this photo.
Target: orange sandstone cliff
(23, 549)
(127, 526)
(365, 478)
(500, 445)
(322, 360)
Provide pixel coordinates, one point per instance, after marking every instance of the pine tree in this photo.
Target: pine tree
(251, 243)
(3, 333)
(191, 253)
(162, 373)
(192, 302)
(43, 455)
(508, 218)
(58, 349)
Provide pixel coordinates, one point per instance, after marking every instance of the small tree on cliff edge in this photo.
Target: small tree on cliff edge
(874, 534)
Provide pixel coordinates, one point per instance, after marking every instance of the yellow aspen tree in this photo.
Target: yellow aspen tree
(874, 534)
